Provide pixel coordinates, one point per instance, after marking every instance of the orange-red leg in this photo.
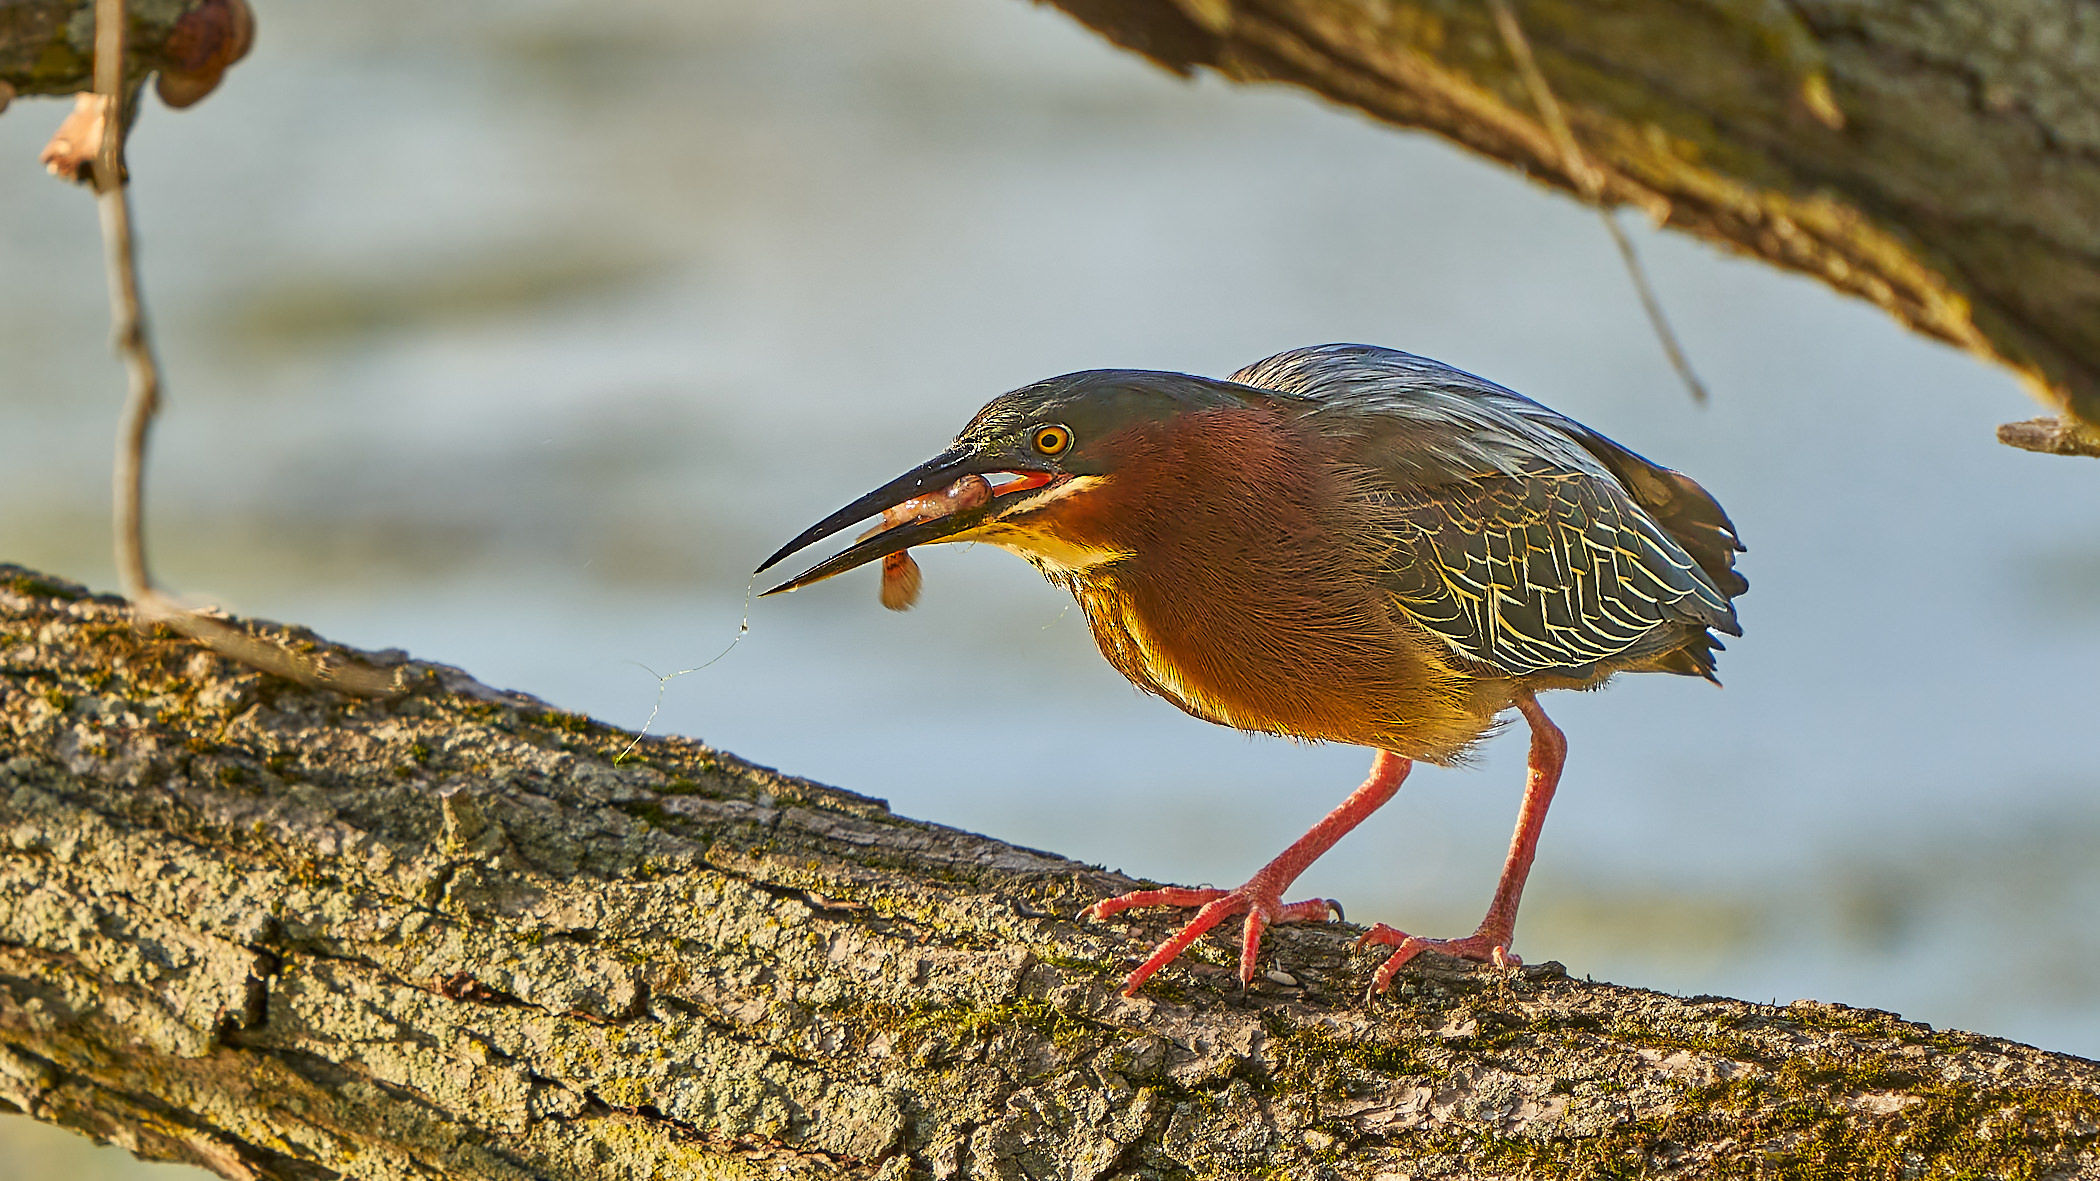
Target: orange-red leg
(1490, 941)
(1262, 897)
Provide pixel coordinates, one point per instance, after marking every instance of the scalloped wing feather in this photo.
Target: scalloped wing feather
(1549, 573)
(1529, 543)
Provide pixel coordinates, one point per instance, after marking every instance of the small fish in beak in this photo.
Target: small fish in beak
(901, 579)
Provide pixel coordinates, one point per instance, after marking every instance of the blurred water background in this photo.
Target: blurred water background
(515, 334)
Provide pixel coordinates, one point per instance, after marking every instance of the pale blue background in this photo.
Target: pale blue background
(516, 334)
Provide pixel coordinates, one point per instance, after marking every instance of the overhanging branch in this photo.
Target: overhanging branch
(1936, 157)
(48, 46)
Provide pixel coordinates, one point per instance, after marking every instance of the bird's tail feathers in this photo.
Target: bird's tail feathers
(1690, 514)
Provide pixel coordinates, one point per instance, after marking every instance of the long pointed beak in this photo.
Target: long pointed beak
(938, 472)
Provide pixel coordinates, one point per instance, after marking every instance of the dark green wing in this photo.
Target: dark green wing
(1528, 542)
(1545, 571)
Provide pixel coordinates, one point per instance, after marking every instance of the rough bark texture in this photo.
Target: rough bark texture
(287, 934)
(1938, 157)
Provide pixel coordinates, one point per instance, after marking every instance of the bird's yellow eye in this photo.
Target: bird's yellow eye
(1051, 440)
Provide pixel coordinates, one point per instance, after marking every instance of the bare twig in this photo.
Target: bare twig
(1589, 181)
(1653, 306)
(2052, 436)
(134, 344)
(127, 313)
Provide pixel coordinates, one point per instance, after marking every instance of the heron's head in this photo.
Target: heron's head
(1049, 452)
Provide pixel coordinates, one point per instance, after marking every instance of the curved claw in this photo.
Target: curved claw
(1213, 912)
(1250, 945)
(1480, 946)
(1262, 906)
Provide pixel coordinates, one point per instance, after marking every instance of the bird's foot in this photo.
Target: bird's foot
(1262, 903)
(1484, 946)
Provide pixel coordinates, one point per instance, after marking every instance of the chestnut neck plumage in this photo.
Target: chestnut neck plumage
(1225, 563)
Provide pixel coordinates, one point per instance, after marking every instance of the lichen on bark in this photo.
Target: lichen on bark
(283, 933)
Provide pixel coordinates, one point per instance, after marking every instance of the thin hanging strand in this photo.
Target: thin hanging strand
(663, 680)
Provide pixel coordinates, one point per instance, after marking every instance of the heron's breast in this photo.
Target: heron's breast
(1223, 567)
(1328, 670)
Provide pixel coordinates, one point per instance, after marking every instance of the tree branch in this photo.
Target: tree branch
(1937, 157)
(2051, 436)
(1590, 184)
(127, 310)
(91, 145)
(285, 933)
(48, 46)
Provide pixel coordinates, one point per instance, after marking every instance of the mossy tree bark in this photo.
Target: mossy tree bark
(283, 933)
(1938, 157)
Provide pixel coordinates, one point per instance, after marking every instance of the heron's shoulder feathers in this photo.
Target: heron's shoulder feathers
(1422, 420)
(1531, 542)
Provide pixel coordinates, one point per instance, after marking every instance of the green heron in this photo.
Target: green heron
(1343, 544)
